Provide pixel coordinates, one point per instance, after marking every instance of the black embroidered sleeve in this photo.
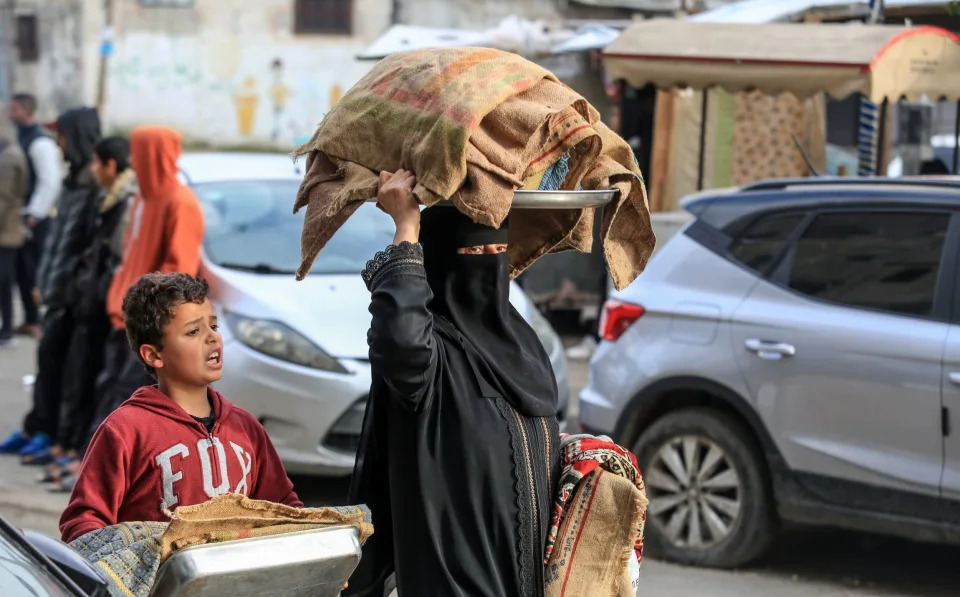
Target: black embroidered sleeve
(403, 259)
(403, 351)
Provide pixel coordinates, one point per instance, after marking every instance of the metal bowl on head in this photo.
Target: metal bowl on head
(563, 199)
(524, 199)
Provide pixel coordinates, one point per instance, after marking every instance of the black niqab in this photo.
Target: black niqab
(473, 293)
(80, 129)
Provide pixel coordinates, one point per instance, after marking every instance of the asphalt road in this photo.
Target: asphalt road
(802, 562)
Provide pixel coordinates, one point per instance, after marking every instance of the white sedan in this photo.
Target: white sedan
(296, 352)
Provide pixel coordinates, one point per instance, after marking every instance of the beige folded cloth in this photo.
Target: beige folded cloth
(232, 516)
(473, 124)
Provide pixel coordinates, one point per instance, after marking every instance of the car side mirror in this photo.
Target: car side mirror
(69, 562)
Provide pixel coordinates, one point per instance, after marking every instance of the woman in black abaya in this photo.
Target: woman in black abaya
(459, 453)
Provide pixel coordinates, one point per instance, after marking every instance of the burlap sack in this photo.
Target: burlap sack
(597, 539)
(233, 516)
(473, 124)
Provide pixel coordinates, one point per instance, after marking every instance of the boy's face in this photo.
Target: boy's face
(104, 172)
(192, 353)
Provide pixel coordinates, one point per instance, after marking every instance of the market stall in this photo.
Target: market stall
(734, 96)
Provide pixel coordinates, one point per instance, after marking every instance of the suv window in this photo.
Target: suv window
(761, 242)
(887, 261)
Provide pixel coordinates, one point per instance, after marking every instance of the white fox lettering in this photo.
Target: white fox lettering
(245, 467)
(203, 448)
(164, 458)
(214, 470)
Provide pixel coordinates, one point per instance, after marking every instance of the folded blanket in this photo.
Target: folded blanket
(474, 125)
(596, 531)
(127, 555)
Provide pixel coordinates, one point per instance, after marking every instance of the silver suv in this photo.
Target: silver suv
(793, 354)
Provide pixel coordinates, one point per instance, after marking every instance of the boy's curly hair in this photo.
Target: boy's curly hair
(148, 307)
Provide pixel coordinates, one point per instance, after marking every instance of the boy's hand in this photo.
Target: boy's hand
(395, 197)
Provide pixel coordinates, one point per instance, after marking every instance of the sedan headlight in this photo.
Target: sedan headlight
(281, 342)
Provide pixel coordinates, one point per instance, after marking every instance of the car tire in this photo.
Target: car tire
(725, 502)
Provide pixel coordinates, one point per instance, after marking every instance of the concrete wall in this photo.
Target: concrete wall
(56, 78)
(230, 72)
(480, 14)
(7, 34)
(472, 14)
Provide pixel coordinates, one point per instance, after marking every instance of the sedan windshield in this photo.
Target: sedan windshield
(250, 225)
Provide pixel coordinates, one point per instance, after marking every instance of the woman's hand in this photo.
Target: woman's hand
(395, 197)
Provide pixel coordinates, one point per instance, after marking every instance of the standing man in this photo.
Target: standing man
(13, 183)
(69, 235)
(44, 178)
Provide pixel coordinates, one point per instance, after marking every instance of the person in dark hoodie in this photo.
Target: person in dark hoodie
(78, 132)
(459, 450)
(164, 235)
(118, 184)
(178, 443)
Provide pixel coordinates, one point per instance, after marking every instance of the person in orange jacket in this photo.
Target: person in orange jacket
(164, 235)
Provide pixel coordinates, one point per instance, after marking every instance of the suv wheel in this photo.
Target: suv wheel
(709, 504)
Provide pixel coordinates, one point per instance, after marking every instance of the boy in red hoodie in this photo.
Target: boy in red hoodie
(180, 442)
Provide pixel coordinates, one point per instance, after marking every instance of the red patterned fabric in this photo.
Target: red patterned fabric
(582, 454)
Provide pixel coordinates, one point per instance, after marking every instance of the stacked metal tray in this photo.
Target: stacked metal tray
(314, 563)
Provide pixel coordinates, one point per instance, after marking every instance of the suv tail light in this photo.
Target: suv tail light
(617, 318)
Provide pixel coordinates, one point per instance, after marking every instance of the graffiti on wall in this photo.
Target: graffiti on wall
(279, 92)
(234, 94)
(245, 100)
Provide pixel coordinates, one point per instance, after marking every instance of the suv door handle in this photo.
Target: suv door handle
(770, 351)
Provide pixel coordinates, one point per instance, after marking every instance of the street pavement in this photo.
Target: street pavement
(804, 562)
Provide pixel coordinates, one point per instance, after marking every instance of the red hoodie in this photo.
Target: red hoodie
(150, 455)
